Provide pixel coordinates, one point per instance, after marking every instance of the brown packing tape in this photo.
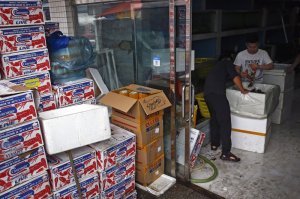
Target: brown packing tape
(249, 132)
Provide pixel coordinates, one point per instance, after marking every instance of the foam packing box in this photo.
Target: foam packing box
(60, 169)
(150, 152)
(45, 102)
(16, 106)
(22, 168)
(120, 190)
(146, 174)
(119, 147)
(117, 173)
(20, 13)
(89, 189)
(19, 64)
(136, 110)
(38, 187)
(17, 39)
(74, 126)
(40, 81)
(20, 139)
(74, 92)
(147, 131)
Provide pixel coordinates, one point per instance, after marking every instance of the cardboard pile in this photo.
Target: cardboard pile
(140, 110)
(24, 65)
(116, 163)
(22, 155)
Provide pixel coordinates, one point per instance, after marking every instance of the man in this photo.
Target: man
(251, 62)
(218, 106)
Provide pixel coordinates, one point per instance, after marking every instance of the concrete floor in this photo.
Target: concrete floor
(274, 174)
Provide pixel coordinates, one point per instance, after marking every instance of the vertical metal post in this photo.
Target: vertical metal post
(75, 174)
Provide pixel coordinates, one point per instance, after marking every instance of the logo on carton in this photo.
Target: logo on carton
(154, 103)
(20, 12)
(24, 38)
(20, 167)
(29, 62)
(12, 142)
(27, 194)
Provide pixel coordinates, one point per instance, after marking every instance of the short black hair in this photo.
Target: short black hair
(253, 38)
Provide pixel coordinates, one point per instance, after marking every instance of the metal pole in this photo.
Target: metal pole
(75, 174)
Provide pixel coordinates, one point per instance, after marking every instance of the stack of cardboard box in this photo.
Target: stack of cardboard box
(24, 61)
(23, 50)
(140, 110)
(23, 163)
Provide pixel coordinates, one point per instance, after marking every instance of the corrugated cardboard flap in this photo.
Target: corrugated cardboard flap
(142, 89)
(118, 101)
(154, 103)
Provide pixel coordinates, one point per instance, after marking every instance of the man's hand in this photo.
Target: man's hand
(245, 91)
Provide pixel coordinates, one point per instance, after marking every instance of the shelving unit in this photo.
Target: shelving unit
(217, 27)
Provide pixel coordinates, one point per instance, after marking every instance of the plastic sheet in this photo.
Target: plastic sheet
(255, 105)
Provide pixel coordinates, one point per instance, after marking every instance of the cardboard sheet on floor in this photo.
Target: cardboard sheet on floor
(159, 186)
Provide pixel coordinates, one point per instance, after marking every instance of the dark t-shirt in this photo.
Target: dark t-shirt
(215, 82)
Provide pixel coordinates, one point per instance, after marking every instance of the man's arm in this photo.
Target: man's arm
(237, 81)
(242, 74)
(266, 66)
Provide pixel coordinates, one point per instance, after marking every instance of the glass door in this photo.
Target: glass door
(147, 43)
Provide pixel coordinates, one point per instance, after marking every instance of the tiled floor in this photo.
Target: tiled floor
(274, 174)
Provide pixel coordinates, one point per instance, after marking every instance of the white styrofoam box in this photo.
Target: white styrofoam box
(250, 134)
(250, 142)
(74, 126)
(250, 124)
(279, 76)
(196, 140)
(285, 98)
(281, 115)
(257, 105)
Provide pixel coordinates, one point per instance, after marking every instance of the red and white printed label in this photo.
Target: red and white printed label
(61, 171)
(19, 169)
(22, 39)
(74, 92)
(117, 173)
(20, 139)
(38, 187)
(120, 190)
(19, 13)
(17, 109)
(19, 64)
(46, 103)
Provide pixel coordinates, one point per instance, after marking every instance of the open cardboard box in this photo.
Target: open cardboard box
(136, 110)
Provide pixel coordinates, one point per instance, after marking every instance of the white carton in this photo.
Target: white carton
(279, 76)
(60, 170)
(250, 134)
(119, 147)
(256, 105)
(74, 126)
(285, 99)
(196, 140)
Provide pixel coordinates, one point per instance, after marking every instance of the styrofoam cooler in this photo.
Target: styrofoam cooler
(279, 76)
(250, 134)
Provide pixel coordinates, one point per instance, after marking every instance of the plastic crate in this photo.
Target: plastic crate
(202, 105)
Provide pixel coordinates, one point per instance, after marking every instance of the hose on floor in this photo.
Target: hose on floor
(212, 177)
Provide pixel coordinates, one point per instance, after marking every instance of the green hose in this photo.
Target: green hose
(212, 177)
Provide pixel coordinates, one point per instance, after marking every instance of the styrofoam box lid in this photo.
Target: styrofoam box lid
(279, 69)
(118, 135)
(61, 158)
(75, 126)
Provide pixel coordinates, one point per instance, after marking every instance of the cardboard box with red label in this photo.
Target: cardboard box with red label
(61, 174)
(74, 92)
(89, 189)
(16, 108)
(22, 168)
(20, 13)
(40, 81)
(119, 147)
(117, 174)
(19, 64)
(38, 187)
(19, 139)
(17, 39)
(120, 190)
(46, 102)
